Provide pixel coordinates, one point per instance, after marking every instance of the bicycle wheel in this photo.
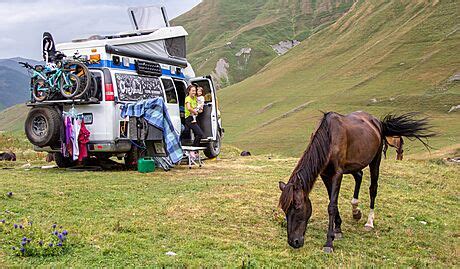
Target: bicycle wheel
(40, 90)
(82, 72)
(69, 87)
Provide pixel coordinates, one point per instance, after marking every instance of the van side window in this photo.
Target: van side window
(170, 91)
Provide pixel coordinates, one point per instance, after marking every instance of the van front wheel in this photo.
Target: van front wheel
(213, 149)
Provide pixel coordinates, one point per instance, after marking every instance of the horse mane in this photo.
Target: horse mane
(312, 162)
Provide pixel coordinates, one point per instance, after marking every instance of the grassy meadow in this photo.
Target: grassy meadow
(225, 214)
(381, 57)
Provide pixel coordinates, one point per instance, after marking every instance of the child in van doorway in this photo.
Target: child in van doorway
(200, 102)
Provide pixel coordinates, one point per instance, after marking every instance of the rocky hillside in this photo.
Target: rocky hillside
(234, 39)
(381, 57)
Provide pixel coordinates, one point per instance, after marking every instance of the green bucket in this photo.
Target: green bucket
(145, 165)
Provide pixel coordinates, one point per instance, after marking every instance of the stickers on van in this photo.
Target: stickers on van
(134, 88)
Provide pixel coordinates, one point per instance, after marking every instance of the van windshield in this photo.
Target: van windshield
(134, 87)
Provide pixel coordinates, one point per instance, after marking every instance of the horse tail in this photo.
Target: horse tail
(406, 125)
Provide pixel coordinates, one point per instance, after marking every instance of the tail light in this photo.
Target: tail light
(109, 94)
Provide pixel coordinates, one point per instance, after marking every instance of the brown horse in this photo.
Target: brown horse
(341, 145)
(396, 142)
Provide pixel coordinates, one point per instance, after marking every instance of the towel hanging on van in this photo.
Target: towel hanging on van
(156, 113)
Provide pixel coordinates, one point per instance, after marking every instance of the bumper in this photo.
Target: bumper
(120, 146)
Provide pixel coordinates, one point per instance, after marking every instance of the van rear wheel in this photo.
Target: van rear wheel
(213, 149)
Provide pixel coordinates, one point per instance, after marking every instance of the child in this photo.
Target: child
(200, 102)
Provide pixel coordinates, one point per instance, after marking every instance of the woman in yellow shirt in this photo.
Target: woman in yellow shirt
(190, 105)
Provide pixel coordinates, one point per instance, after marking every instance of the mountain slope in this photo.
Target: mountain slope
(236, 36)
(14, 81)
(382, 56)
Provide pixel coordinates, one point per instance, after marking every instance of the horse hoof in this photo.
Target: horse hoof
(368, 227)
(338, 236)
(357, 216)
(328, 250)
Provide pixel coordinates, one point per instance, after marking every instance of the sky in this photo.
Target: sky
(23, 22)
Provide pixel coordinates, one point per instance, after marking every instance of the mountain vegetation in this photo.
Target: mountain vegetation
(235, 39)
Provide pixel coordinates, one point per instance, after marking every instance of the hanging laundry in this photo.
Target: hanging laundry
(68, 133)
(83, 139)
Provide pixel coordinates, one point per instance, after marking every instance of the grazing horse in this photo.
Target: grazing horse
(395, 142)
(341, 145)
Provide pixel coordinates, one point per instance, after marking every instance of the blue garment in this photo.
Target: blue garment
(156, 113)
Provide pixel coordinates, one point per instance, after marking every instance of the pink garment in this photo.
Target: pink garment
(83, 139)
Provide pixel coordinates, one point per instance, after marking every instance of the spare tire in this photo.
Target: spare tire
(42, 126)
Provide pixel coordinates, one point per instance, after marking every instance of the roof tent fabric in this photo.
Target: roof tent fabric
(147, 18)
(156, 47)
(176, 46)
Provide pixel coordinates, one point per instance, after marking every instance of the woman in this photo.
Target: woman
(190, 105)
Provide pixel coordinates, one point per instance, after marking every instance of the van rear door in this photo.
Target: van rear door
(172, 102)
(208, 119)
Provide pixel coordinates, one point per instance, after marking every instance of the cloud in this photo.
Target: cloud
(22, 23)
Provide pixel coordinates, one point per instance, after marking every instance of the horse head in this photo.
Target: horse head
(296, 205)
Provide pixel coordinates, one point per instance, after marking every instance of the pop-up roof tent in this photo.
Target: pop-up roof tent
(152, 38)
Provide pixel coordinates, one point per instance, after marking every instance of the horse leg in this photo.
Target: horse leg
(374, 168)
(332, 210)
(337, 221)
(354, 202)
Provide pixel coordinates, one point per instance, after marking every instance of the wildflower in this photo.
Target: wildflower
(55, 233)
(21, 227)
(15, 226)
(2, 221)
(22, 250)
(10, 194)
(64, 232)
(50, 244)
(60, 236)
(40, 243)
(54, 226)
(24, 239)
(59, 244)
(23, 243)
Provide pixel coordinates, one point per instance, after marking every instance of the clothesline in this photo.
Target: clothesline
(74, 135)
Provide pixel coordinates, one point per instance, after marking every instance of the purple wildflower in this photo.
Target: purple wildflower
(64, 232)
(24, 239)
(23, 243)
(59, 244)
(55, 233)
(22, 250)
(15, 226)
(50, 244)
(54, 226)
(10, 194)
(2, 221)
(60, 236)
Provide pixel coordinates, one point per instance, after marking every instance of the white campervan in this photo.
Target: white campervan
(146, 63)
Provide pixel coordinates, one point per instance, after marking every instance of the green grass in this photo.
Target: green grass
(250, 24)
(226, 214)
(381, 57)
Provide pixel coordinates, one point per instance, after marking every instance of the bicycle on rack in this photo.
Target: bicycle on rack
(79, 67)
(47, 81)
